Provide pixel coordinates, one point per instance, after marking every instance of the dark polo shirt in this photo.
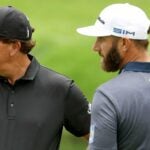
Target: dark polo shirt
(121, 111)
(34, 110)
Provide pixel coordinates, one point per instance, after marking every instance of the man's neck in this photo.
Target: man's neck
(135, 56)
(17, 69)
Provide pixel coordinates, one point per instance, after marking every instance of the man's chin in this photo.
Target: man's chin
(108, 68)
(103, 66)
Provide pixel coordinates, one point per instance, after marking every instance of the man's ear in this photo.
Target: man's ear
(15, 47)
(124, 44)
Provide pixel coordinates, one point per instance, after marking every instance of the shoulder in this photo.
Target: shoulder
(121, 84)
(115, 89)
(52, 81)
(49, 73)
(119, 91)
(50, 76)
(42, 74)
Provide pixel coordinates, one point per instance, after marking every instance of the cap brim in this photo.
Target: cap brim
(93, 31)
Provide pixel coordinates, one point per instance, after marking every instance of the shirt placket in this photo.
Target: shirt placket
(11, 105)
(11, 115)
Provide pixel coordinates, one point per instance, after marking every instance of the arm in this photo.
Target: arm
(103, 132)
(77, 116)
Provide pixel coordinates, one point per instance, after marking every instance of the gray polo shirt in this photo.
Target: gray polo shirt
(121, 111)
(35, 109)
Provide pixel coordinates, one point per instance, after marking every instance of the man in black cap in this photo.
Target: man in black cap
(35, 102)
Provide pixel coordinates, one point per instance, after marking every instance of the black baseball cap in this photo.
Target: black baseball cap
(14, 24)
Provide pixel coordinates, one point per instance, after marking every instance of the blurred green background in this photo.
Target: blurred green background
(59, 47)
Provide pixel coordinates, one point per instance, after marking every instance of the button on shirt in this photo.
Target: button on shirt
(120, 111)
(34, 110)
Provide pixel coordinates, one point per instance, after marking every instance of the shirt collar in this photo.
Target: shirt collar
(32, 69)
(137, 67)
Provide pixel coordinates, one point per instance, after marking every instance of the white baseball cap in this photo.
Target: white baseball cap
(121, 20)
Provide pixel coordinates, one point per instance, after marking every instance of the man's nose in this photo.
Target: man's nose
(96, 47)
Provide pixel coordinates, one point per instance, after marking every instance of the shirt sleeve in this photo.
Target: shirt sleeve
(103, 130)
(77, 113)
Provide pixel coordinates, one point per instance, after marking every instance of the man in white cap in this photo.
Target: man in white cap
(121, 107)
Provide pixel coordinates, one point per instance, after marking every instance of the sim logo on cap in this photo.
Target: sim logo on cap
(124, 32)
